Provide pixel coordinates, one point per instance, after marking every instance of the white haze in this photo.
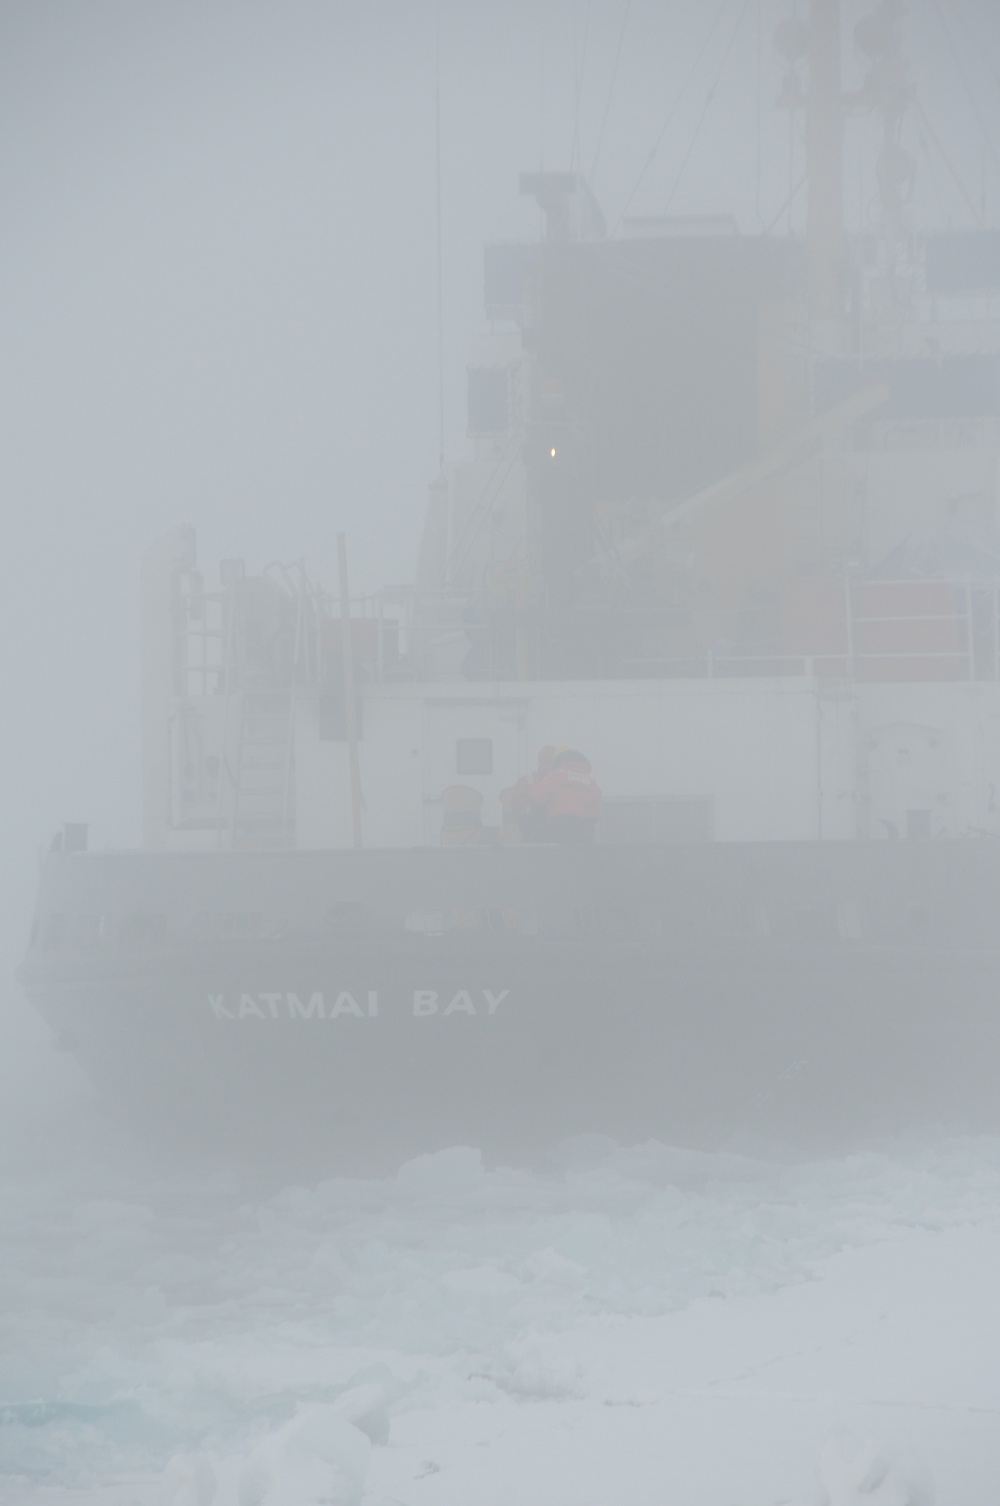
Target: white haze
(218, 292)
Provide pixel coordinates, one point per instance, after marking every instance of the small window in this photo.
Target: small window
(474, 755)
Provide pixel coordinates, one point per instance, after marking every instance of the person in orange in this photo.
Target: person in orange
(522, 820)
(568, 797)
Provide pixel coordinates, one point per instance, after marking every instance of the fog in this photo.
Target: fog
(220, 261)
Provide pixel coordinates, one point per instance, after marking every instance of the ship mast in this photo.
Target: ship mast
(824, 148)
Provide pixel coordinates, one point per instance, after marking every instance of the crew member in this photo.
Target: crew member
(522, 819)
(568, 798)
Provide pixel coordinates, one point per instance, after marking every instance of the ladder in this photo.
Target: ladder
(260, 773)
(263, 807)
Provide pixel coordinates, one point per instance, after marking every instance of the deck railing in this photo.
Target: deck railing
(853, 629)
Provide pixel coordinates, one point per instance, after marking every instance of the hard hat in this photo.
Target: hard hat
(564, 752)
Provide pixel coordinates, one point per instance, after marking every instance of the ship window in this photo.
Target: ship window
(474, 755)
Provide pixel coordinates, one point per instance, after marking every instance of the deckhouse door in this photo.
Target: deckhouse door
(470, 748)
(906, 780)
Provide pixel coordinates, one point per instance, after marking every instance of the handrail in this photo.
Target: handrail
(866, 624)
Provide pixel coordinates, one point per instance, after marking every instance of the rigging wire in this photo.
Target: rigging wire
(967, 83)
(709, 98)
(792, 190)
(672, 112)
(786, 206)
(541, 86)
(611, 90)
(440, 238)
(760, 108)
(949, 164)
(790, 201)
(574, 153)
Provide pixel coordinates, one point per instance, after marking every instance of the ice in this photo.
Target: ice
(189, 1481)
(639, 1324)
(318, 1459)
(448, 1172)
(855, 1473)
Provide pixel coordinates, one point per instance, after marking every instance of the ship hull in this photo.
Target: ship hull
(635, 1008)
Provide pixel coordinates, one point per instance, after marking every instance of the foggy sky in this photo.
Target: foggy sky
(218, 284)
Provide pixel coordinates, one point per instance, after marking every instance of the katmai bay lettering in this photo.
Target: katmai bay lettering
(320, 1006)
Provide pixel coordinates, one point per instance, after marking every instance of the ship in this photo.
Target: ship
(727, 525)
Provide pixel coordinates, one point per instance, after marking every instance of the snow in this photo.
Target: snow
(318, 1456)
(636, 1325)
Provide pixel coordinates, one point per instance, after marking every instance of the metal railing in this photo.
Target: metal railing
(886, 629)
(920, 638)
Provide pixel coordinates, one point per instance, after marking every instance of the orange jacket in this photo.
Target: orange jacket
(568, 790)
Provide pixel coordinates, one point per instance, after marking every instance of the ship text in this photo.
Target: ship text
(362, 1005)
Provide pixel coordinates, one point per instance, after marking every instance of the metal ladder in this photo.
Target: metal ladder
(263, 812)
(261, 774)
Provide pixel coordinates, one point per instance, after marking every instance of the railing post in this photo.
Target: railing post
(349, 704)
(228, 605)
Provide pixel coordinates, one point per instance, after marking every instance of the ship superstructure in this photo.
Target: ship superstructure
(729, 524)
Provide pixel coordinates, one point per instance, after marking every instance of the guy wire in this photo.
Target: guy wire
(438, 216)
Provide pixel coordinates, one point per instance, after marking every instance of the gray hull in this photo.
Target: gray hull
(380, 1005)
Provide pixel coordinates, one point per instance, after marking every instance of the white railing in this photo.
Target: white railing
(888, 629)
(913, 638)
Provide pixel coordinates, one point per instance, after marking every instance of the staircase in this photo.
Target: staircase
(263, 814)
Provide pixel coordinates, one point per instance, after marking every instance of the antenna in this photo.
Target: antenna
(818, 42)
(440, 257)
(825, 153)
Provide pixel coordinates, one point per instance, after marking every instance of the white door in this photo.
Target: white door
(906, 781)
(479, 744)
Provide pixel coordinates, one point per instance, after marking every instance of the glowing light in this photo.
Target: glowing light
(552, 452)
